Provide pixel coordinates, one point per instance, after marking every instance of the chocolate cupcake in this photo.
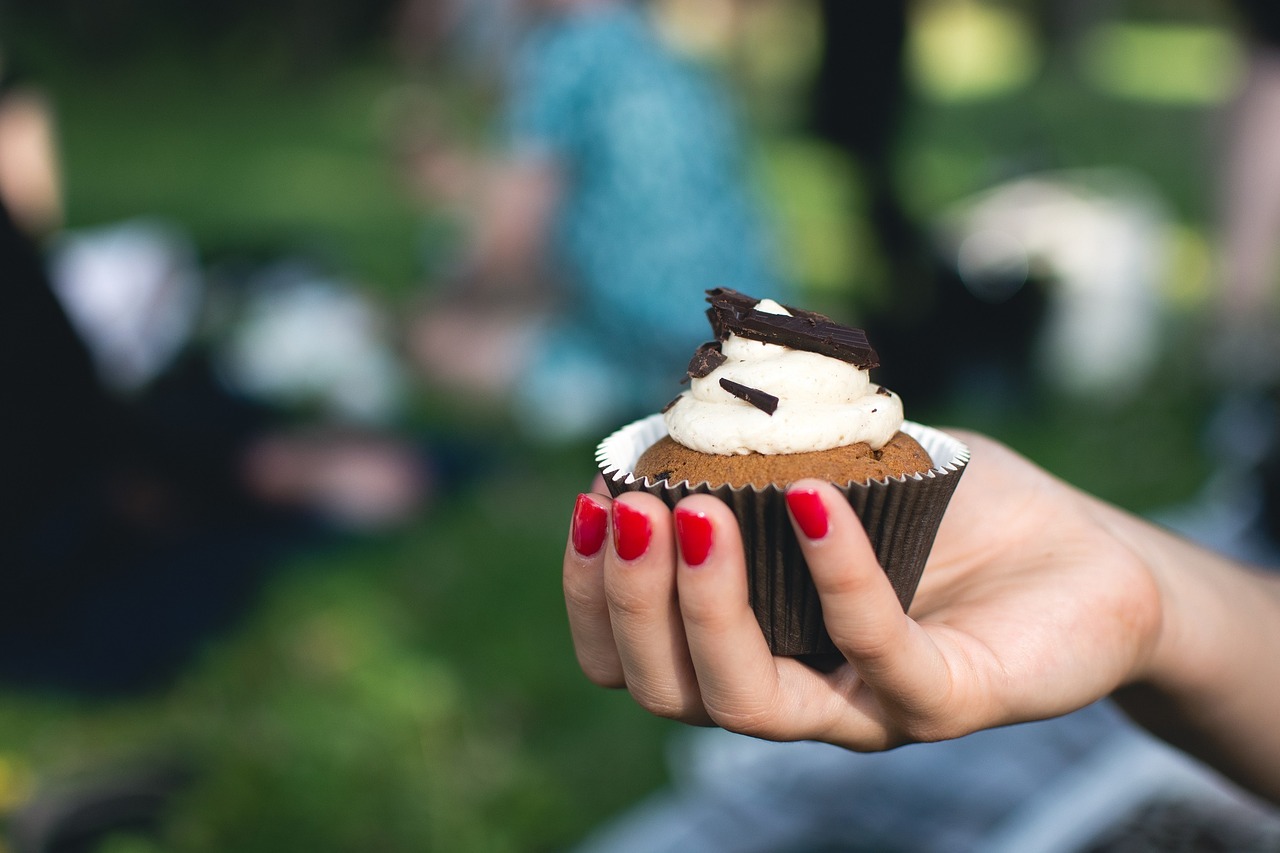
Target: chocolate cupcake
(780, 395)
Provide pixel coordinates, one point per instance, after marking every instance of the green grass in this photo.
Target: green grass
(411, 692)
(245, 158)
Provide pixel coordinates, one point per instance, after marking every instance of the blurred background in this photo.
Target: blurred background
(245, 207)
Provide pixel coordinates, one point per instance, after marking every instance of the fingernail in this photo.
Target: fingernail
(809, 513)
(631, 532)
(694, 533)
(590, 523)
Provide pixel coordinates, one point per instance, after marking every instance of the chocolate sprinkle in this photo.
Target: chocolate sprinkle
(732, 312)
(706, 359)
(766, 403)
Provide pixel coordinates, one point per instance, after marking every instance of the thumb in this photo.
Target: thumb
(892, 654)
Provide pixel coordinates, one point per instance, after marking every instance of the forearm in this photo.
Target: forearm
(1211, 683)
(514, 218)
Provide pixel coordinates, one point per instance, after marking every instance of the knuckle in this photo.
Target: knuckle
(754, 723)
(582, 595)
(670, 710)
(629, 607)
(707, 616)
(758, 718)
(930, 729)
(601, 671)
(608, 679)
(876, 653)
(671, 705)
(841, 584)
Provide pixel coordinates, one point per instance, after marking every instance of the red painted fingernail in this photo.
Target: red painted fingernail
(809, 513)
(694, 533)
(590, 523)
(631, 532)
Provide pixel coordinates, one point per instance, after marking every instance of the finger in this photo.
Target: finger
(735, 669)
(640, 588)
(892, 655)
(584, 593)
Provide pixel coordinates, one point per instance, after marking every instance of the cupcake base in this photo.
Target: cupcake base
(901, 516)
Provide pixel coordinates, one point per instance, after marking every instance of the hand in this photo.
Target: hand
(473, 349)
(1032, 605)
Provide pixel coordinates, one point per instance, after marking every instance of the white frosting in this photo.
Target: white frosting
(822, 402)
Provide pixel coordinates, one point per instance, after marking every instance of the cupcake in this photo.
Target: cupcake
(782, 394)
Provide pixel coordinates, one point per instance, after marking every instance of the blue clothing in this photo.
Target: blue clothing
(657, 207)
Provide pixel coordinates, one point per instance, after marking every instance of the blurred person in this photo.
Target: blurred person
(144, 499)
(1247, 305)
(138, 521)
(1242, 348)
(621, 193)
(30, 179)
(471, 39)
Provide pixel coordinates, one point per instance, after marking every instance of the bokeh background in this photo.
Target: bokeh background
(415, 689)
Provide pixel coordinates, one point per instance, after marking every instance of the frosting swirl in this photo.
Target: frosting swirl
(822, 402)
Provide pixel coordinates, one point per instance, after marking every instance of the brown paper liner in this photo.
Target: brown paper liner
(901, 517)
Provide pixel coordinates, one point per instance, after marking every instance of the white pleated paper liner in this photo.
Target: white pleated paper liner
(901, 517)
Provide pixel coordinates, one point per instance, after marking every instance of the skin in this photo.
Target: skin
(494, 296)
(30, 181)
(1038, 600)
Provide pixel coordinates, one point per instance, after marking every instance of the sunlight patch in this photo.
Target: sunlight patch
(961, 50)
(1166, 63)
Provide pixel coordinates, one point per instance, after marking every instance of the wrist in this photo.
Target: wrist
(1211, 671)
(1181, 655)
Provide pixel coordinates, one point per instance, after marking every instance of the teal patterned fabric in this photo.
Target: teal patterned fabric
(657, 206)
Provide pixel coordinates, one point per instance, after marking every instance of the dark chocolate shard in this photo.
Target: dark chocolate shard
(717, 328)
(668, 406)
(763, 401)
(729, 295)
(734, 313)
(807, 315)
(883, 391)
(706, 359)
(726, 302)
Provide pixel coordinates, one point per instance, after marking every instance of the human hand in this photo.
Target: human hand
(477, 352)
(1032, 605)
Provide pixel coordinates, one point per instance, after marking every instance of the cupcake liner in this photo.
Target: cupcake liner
(901, 516)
